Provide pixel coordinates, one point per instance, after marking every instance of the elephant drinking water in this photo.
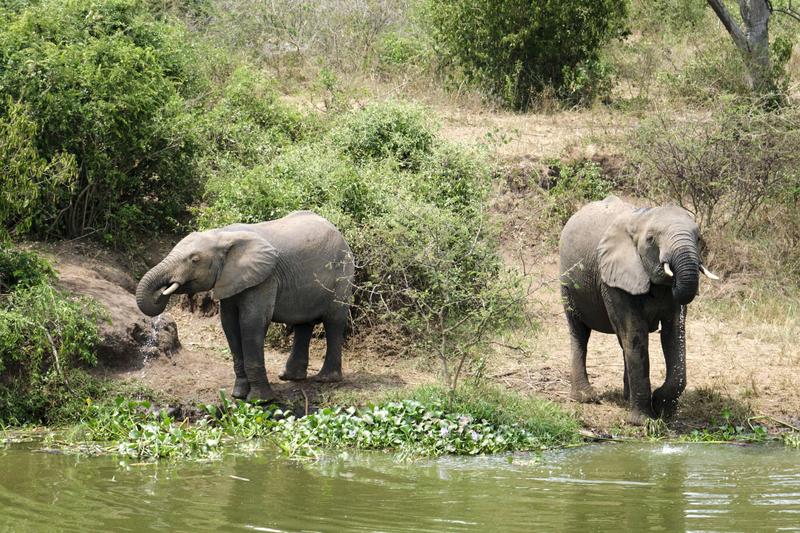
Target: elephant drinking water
(297, 270)
(625, 270)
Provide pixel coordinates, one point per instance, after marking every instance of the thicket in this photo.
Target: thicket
(738, 172)
(97, 108)
(515, 49)
(47, 337)
(412, 208)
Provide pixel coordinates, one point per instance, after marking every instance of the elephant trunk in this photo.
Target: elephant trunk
(685, 264)
(149, 295)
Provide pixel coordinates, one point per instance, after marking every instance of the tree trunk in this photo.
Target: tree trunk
(752, 40)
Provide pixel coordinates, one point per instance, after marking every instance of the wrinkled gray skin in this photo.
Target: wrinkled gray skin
(613, 281)
(297, 270)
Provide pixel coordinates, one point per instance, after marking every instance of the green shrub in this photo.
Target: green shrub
(107, 84)
(513, 49)
(22, 269)
(576, 184)
(388, 130)
(46, 336)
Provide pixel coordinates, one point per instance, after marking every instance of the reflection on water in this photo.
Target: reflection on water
(595, 488)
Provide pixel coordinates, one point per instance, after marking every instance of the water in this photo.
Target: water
(595, 488)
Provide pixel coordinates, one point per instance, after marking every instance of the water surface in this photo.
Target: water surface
(630, 487)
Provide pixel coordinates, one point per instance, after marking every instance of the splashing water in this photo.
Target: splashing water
(150, 345)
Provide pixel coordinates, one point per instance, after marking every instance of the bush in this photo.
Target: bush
(576, 184)
(411, 207)
(513, 49)
(107, 92)
(395, 130)
(45, 337)
(736, 172)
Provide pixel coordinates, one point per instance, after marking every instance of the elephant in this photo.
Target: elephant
(625, 270)
(297, 270)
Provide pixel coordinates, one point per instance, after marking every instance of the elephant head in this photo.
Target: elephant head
(653, 246)
(227, 260)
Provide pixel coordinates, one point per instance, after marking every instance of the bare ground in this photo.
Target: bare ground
(736, 361)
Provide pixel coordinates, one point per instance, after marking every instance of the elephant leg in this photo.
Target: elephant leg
(255, 314)
(673, 342)
(297, 364)
(334, 338)
(626, 390)
(580, 389)
(229, 315)
(627, 317)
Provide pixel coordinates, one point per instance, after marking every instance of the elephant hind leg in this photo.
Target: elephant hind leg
(297, 364)
(334, 336)
(579, 332)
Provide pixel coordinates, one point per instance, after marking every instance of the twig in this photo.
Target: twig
(306, 399)
(58, 361)
(769, 417)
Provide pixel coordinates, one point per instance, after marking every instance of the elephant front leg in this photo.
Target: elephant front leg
(580, 389)
(255, 314)
(297, 364)
(229, 315)
(673, 342)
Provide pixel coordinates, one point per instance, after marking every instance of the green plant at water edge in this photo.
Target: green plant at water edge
(467, 422)
(729, 430)
(46, 337)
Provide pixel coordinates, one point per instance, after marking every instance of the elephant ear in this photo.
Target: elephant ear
(249, 260)
(620, 265)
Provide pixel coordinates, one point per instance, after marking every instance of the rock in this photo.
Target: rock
(201, 303)
(131, 337)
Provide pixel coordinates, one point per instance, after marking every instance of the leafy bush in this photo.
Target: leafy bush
(395, 130)
(411, 207)
(106, 90)
(737, 173)
(576, 184)
(514, 48)
(45, 336)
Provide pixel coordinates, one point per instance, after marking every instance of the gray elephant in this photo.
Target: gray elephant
(625, 270)
(297, 270)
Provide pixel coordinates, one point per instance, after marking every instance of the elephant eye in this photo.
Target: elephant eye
(195, 259)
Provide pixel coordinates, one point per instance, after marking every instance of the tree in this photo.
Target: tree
(752, 37)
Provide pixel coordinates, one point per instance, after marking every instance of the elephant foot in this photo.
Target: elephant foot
(328, 376)
(637, 417)
(241, 388)
(293, 375)
(664, 405)
(584, 394)
(261, 393)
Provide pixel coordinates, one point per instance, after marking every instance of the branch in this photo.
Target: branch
(736, 33)
(788, 10)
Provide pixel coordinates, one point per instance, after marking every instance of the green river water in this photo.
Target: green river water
(614, 487)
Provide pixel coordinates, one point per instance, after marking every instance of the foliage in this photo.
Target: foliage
(514, 49)
(463, 423)
(728, 430)
(736, 172)
(576, 184)
(410, 206)
(19, 268)
(99, 96)
(46, 336)
(395, 130)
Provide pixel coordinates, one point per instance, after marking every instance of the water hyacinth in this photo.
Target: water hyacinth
(135, 430)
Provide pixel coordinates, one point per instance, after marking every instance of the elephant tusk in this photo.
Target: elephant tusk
(667, 270)
(708, 273)
(172, 288)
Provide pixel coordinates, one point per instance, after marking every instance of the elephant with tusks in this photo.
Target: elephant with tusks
(296, 270)
(628, 270)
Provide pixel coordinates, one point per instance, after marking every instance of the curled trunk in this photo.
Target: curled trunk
(686, 267)
(148, 293)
